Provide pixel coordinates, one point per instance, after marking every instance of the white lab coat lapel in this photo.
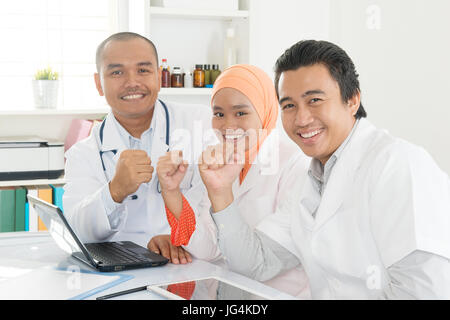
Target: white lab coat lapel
(249, 181)
(338, 186)
(235, 189)
(305, 214)
(111, 141)
(255, 172)
(343, 175)
(111, 136)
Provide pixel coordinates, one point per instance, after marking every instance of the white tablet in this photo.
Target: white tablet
(212, 288)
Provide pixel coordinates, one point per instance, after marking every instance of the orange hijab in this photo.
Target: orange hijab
(256, 85)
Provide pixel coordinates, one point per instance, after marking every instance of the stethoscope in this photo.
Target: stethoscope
(114, 151)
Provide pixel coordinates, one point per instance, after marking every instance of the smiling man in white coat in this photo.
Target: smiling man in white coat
(372, 219)
(112, 191)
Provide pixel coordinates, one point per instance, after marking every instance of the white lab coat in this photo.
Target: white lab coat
(269, 180)
(145, 217)
(385, 199)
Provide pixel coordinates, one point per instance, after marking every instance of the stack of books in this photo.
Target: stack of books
(15, 212)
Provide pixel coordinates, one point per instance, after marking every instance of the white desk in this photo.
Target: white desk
(37, 251)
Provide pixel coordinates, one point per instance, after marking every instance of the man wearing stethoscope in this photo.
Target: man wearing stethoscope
(112, 190)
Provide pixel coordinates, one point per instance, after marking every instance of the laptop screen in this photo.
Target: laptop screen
(59, 228)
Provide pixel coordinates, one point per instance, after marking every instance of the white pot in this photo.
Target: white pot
(45, 93)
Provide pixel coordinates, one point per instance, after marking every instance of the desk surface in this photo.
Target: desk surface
(37, 251)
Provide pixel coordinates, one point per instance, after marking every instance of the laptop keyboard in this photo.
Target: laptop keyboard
(113, 253)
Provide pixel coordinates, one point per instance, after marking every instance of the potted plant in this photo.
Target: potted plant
(45, 88)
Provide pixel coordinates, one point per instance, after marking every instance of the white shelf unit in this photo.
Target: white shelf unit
(188, 36)
(35, 182)
(157, 11)
(185, 91)
(51, 124)
(45, 123)
(98, 112)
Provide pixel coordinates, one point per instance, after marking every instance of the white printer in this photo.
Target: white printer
(27, 158)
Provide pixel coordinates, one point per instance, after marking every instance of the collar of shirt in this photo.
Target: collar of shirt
(318, 173)
(144, 143)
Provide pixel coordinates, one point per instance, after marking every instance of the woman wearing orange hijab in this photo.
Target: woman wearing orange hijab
(245, 111)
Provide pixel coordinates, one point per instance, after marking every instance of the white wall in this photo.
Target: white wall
(401, 50)
(277, 25)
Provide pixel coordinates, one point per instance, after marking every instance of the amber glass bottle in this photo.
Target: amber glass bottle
(176, 78)
(199, 76)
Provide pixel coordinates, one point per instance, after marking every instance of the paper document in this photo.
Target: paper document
(54, 284)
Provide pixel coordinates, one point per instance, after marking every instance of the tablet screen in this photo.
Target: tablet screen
(205, 289)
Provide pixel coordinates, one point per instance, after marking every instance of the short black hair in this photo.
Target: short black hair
(309, 52)
(121, 36)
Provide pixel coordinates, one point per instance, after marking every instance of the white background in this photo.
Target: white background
(401, 50)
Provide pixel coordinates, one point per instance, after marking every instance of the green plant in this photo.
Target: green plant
(46, 74)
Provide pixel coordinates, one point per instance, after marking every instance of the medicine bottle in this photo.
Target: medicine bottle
(177, 78)
(165, 75)
(188, 78)
(215, 72)
(199, 76)
(207, 68)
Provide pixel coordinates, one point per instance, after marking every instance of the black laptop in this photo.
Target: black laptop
(103, 256)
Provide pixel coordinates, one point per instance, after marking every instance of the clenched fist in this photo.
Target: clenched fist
(133, 168)
(171, 170)
(219, 166)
